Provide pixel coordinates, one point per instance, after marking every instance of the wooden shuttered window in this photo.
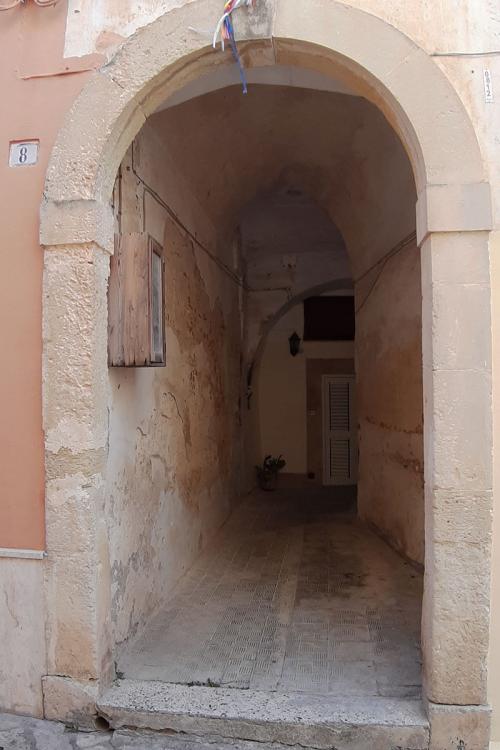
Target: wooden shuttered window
(136, 303)
(339, 430)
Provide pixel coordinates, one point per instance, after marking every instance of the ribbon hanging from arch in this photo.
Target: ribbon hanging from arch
(225, 30)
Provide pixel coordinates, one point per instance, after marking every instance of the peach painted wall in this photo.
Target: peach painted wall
(37, 87)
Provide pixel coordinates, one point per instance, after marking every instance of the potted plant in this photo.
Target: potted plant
(267, 473)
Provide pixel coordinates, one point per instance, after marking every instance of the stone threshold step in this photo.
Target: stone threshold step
(312, 721)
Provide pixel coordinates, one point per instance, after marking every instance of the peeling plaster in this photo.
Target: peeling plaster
(476, 26)
(172, 474)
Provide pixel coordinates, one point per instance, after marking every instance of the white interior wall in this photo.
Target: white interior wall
(282, 395)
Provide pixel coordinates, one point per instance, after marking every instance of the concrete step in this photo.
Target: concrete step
(312, 721)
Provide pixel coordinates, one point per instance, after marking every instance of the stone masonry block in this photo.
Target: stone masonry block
(459, 727)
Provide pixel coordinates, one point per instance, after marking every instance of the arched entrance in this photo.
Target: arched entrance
(453, 217)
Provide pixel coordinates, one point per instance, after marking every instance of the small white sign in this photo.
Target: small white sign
(488, 86)
(23, 153)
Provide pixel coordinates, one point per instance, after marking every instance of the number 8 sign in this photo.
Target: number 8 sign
(23, 153)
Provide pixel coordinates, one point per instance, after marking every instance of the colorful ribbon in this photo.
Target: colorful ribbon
(225, 29)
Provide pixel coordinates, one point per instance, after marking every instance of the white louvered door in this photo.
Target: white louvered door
(340, 450)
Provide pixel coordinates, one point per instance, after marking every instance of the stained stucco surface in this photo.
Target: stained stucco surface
(389, 360)
(173, 440)
(93, 24)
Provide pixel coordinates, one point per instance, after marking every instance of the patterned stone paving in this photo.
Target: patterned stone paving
(295, 594)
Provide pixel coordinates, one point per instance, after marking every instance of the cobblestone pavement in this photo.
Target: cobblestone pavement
(20, 733)
(295, 595)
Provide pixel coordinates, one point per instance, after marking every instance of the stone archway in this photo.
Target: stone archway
(453, 219)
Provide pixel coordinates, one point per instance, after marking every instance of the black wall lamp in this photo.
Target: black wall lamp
(294, 342)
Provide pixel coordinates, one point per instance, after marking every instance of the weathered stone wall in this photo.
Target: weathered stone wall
(102, 24)
(173, 445)
(22, 595)
(376, 215)
(389, 365)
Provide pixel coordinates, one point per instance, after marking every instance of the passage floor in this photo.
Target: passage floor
(295, 594)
